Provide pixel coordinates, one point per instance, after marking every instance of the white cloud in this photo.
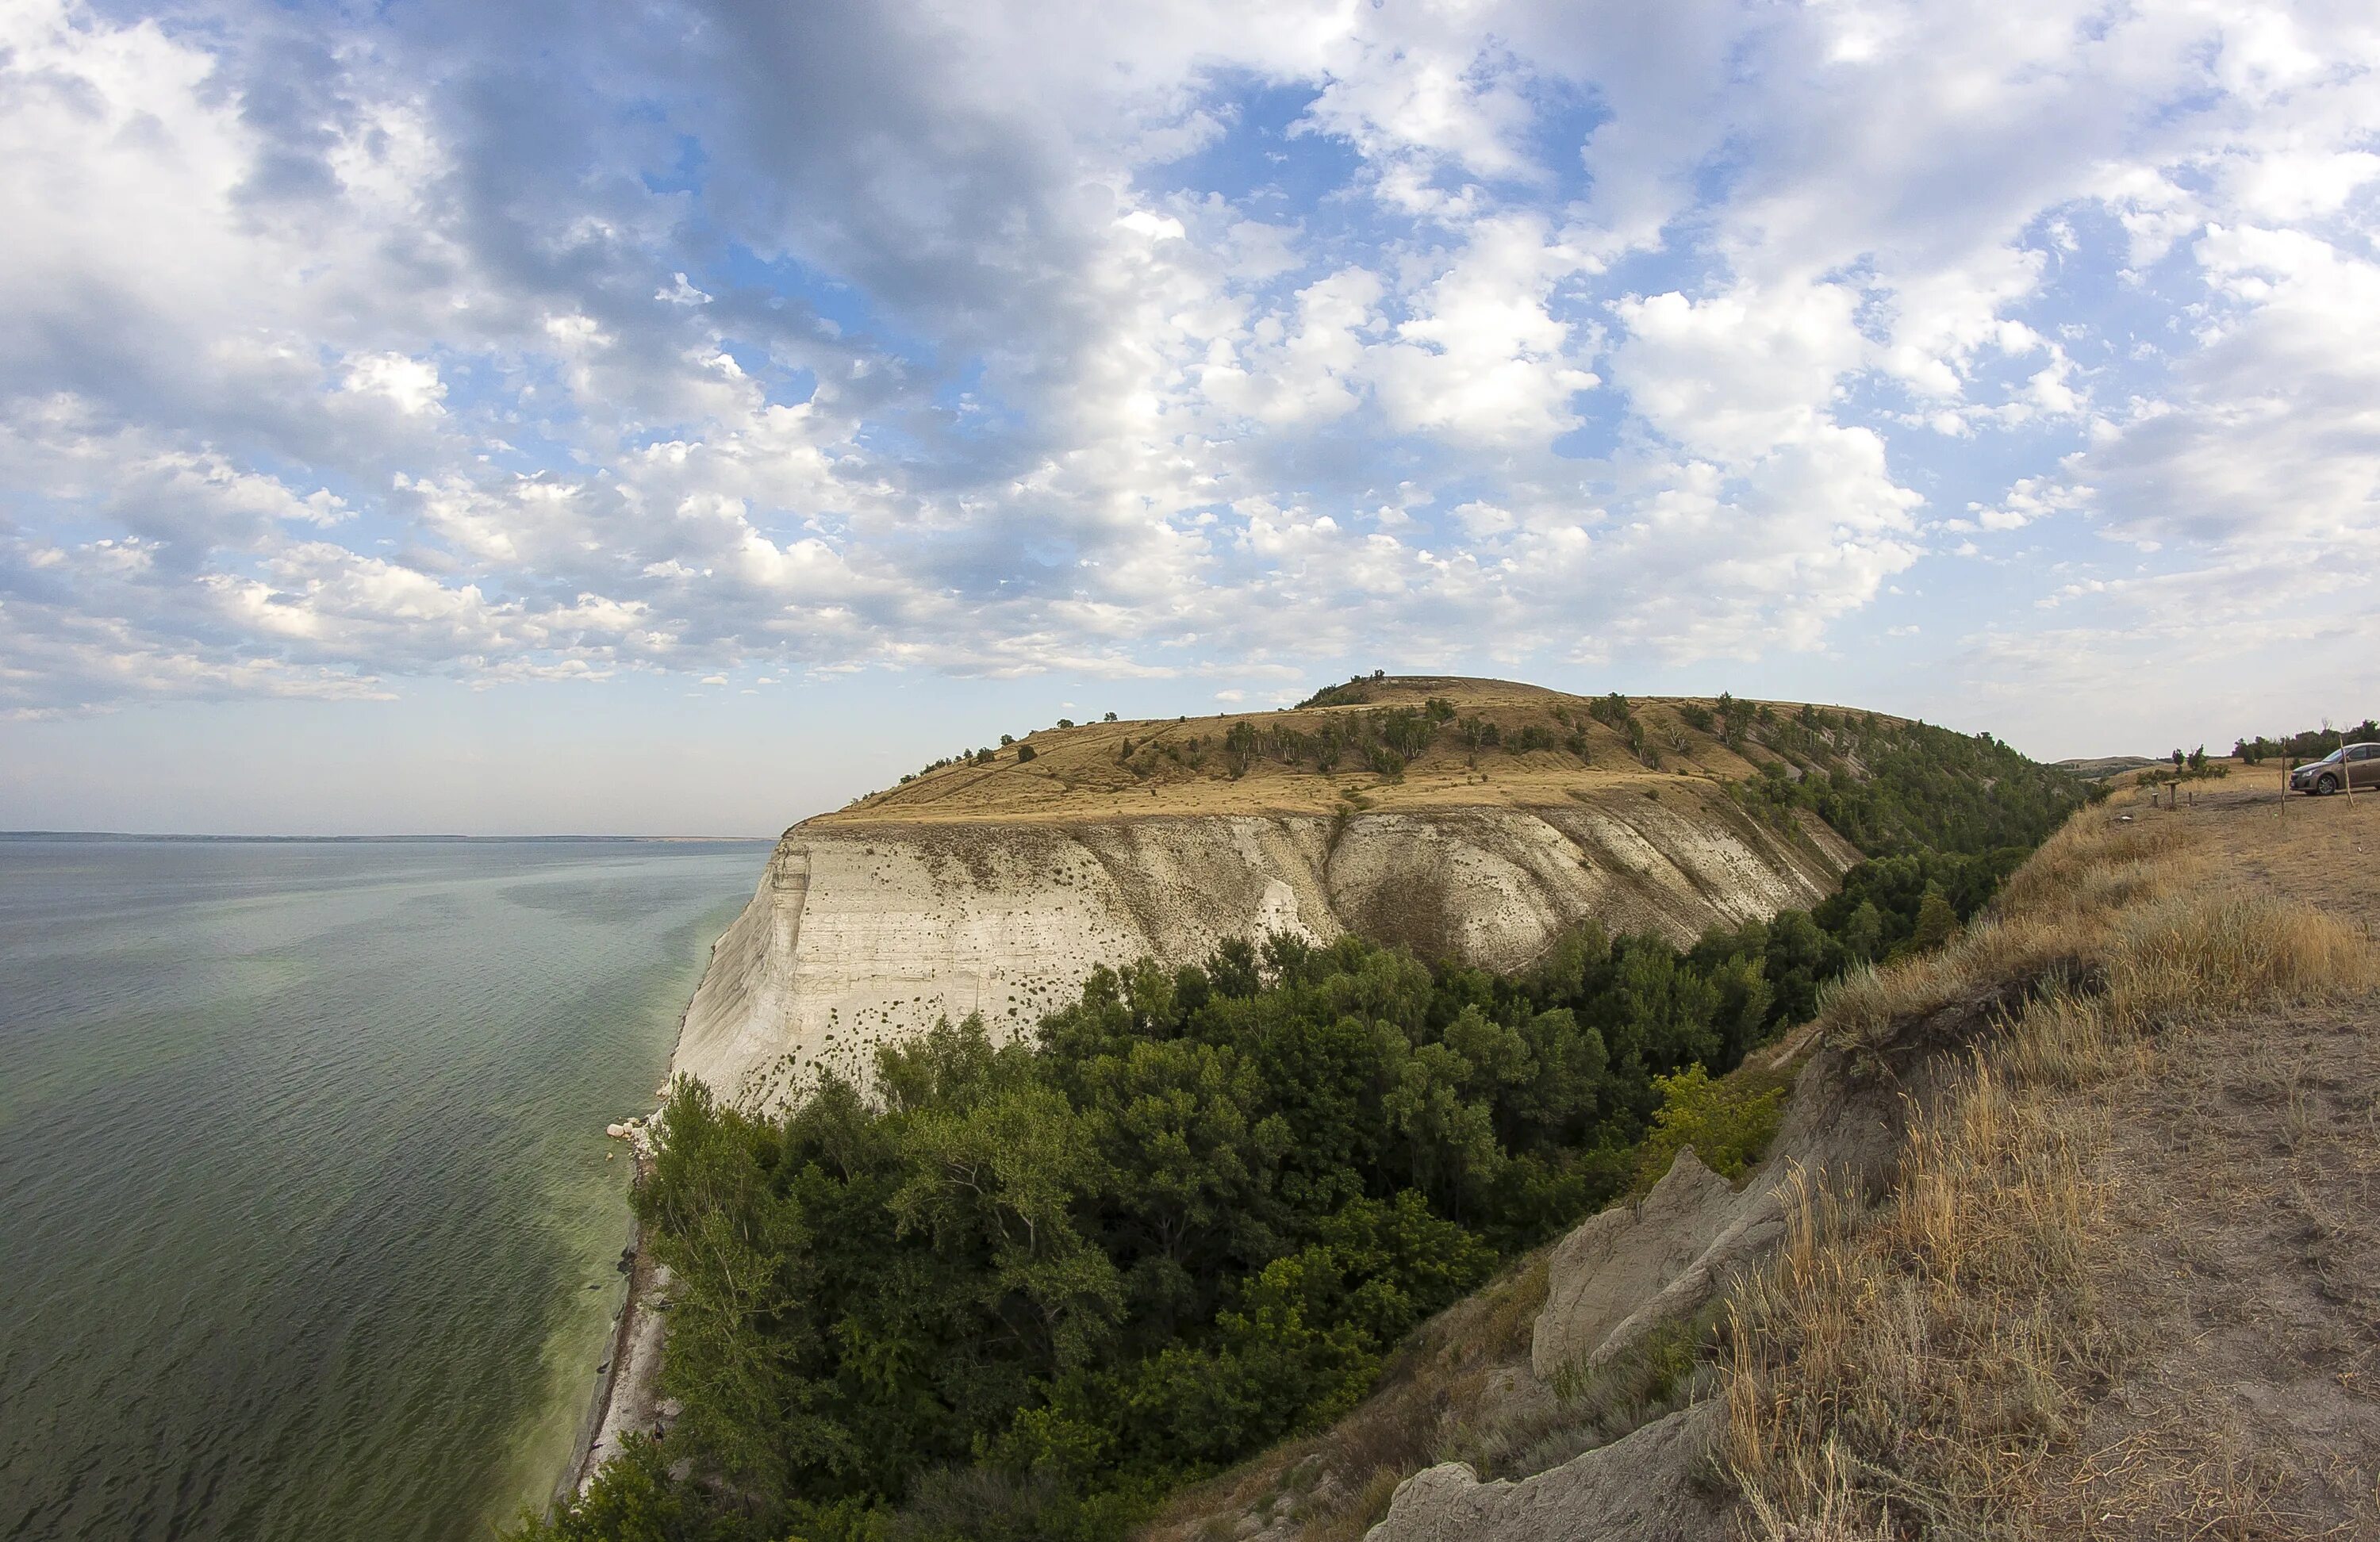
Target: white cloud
(1482, 357)
(411, 384)
(1032, 357)
(1740, 371)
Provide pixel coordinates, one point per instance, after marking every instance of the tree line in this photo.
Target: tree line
(2310, 744)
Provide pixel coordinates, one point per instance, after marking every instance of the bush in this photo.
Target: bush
(1728, 1124)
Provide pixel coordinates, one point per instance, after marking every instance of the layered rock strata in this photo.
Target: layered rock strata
(862, 932)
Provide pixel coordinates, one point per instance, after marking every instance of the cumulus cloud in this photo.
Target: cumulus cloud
(350, 349)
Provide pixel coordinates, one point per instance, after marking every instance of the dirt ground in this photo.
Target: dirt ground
(2242, 1180)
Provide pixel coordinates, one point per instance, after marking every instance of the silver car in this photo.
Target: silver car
(2349, 766)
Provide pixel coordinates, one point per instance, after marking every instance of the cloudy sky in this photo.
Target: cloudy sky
(687, 414)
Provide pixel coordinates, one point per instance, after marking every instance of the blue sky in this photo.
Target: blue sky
(688, 416)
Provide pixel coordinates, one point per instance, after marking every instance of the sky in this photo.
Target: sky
(683, 416)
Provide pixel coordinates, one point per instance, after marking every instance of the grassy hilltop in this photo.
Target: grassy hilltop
(1424, 742)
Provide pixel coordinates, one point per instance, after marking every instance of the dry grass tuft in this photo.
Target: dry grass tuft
(1915, 1367)
(1361, 1513)
(2059, 911)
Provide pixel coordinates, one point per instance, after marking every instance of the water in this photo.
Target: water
(307, 1228)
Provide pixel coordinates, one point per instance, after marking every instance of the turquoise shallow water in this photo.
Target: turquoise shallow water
(307, 1227)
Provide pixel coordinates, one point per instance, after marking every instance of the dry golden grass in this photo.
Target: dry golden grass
(1924, 1366)
(1078, 772)
(2061, 908)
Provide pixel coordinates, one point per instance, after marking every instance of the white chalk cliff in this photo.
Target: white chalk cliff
(865, 931)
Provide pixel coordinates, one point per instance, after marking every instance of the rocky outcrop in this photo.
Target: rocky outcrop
(1622, 1274)
(861, 933)
(1641, 1488)
(1606, 1282)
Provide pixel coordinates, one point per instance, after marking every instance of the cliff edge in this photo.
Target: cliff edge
(1461, 819)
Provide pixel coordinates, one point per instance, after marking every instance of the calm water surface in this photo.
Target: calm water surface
(307, 1227)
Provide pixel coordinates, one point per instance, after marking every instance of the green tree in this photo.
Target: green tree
(1863, 933)
(1729, 1127)
(1935, 920)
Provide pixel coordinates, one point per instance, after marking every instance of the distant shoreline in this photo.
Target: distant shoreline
(105, 835)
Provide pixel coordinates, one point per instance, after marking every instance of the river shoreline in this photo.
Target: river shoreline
(628, 1385)
(626, 1398)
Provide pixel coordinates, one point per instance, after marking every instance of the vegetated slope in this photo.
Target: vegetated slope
(2098, 768)
(2067, 1231)
(1463, 818)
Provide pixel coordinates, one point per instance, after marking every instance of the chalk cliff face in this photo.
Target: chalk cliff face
(866, 930)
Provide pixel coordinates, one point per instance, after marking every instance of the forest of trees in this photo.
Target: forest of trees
(1024, 1291)
(1890, 787)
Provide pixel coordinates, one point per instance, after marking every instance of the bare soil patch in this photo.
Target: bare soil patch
(2322, 851)
(2243, 1184)
(2241, 1172)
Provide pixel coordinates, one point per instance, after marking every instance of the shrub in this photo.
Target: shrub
(1935, 920)
(1478, 734)
(1729, 1124)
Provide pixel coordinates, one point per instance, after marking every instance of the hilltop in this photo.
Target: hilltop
(1404, 742)
(1435, 743)
(1457, 819)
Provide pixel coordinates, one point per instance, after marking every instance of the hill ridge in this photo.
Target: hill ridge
(1488, 743)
